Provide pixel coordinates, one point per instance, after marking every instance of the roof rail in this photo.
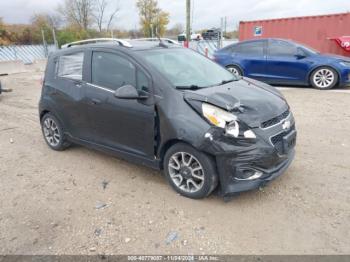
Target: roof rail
(155, 39)
(121, 42)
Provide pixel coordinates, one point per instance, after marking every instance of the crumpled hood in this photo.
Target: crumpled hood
(251, 101)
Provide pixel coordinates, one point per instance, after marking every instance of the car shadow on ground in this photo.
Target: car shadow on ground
(156, 180)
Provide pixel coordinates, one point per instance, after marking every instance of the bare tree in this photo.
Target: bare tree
(78, 12)
(100, 15)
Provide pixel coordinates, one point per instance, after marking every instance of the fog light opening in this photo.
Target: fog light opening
(247, 175)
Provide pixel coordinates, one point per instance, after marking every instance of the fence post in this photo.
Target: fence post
(44, 43)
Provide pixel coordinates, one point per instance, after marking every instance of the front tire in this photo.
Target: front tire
(53, 133)
(190, 173)
(324, 78)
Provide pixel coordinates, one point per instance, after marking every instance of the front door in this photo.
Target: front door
(123, 124)
(283, 63)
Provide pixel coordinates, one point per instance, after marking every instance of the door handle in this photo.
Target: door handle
(95, 101)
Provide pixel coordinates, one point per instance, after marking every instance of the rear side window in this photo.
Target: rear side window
(252, 48)
(112, 71)
(71, 66)
(281, 48)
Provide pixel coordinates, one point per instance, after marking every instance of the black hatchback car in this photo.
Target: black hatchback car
(168, 108)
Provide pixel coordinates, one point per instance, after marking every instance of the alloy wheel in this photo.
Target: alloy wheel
(324, 78)
(51, 132)
(186, 172)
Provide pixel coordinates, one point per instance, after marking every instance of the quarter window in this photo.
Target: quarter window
(281, 48)
(142, 82)
(112, 71)
(71, 66)
(252, 48)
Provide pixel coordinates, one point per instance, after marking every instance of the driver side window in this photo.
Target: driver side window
(112, 71)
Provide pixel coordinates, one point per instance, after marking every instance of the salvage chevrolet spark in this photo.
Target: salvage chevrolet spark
(168, 108)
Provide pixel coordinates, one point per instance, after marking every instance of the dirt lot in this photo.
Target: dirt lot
(53, 203)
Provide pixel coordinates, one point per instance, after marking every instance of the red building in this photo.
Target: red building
(326, 33)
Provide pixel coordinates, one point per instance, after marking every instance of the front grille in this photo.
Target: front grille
(277, 140)
(275, 120)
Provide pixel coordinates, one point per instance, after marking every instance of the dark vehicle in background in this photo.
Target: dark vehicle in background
(212, 34)
(168, 108)
(282, 62)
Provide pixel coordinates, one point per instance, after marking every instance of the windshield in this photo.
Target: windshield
(186, 68)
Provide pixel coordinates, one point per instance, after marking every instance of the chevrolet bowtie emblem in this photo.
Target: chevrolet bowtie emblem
(286, 125)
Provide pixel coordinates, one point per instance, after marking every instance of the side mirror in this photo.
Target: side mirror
(129, 92)
(300, 54)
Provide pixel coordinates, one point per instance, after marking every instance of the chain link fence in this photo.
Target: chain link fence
(25, 53)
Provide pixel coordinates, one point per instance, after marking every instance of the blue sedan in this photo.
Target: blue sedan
(282, 62)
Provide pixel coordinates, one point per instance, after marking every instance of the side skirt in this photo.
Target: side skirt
(135, 159)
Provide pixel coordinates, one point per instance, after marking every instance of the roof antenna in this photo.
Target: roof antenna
(161, 43)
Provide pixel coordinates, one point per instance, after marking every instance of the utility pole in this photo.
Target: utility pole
(188, 22)
(44, 43)
(221, 32)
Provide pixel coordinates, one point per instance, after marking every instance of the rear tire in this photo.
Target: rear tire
(190, 172)
(234, 70)
(324, 78)
(53, 133)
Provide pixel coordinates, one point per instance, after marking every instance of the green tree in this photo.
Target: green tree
(152, 18)
(69, 35)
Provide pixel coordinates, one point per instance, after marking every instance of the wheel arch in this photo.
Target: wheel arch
(164, 148)
(172, 142)
(237, 65)
(43, 112)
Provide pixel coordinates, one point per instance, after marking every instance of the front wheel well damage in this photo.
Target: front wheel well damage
(172, 142)
(165, 148)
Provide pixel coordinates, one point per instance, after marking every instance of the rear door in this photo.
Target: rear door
(251, 57)
(123, 124)
(67, 90)
(283, 63)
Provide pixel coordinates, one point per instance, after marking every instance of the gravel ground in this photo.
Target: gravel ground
(85, 202)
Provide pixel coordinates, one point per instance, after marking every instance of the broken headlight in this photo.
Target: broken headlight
(226, 120)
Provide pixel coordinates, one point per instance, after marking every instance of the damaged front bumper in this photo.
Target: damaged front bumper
(231, 185)
(244, 164)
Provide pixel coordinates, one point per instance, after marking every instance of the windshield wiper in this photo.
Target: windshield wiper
(191, 87)
(231, 80)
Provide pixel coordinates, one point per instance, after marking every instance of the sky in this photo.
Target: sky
(206, 13)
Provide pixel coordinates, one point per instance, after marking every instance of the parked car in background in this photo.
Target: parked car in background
(168, 108)
(212, 34)
(283, 62)
(194, 37)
